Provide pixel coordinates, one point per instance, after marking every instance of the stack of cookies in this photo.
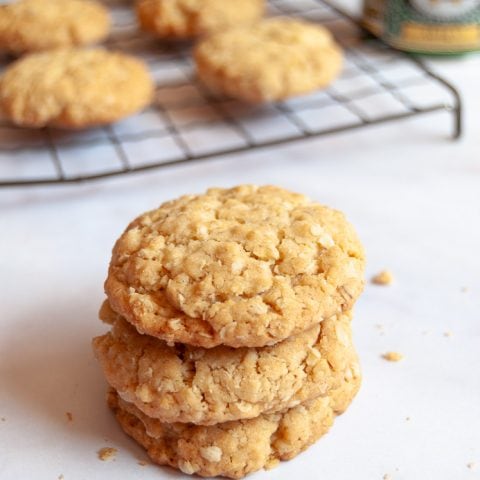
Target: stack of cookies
(230, 345)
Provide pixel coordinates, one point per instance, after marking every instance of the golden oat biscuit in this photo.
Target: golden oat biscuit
(182, 19)
(246, 266)
(33, 25)
(74, 88)
(180, 383)
(234, 449)
(269, 61)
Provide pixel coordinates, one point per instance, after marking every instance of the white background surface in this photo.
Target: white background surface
(414, 197)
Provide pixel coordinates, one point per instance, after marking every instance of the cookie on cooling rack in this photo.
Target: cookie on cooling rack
(34, 25)
(272, 60)
(74, 88)
(229, 383)
(234, 449)
(180, 19)
(246, 266)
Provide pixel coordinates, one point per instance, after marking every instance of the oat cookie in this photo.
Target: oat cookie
(74, 88)
(234, 449)
(269, 61)
(246, 266)
(208, 386)
(33, 25)
(190, 18)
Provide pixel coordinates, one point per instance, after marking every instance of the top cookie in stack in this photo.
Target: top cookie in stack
(243, 267)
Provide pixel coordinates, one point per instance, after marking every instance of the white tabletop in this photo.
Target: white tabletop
(414, 196)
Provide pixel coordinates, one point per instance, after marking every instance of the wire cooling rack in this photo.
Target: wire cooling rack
(189, 123)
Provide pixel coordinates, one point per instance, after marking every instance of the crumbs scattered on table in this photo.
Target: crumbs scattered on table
(392, 356)
(107, 453)
(448, 333)
(384, 277)
(471, 465)
(69, 416)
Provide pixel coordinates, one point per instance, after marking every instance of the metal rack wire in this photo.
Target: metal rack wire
(189, 123)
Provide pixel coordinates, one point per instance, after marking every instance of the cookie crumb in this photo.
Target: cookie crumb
(407, 419)
(448, 333)
(384, 277)
(69, 416)
(387, 477)
(142, 463)
(61, 477)
(392, 356)
(107, 453)
(471, 465)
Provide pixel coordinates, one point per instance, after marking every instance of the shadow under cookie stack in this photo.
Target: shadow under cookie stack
(230, 346)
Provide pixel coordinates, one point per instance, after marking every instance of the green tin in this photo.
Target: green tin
(427, 26)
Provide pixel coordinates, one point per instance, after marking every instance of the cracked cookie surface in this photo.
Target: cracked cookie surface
(234, 449)
(74, 88)
(208, 386)
(269, 61)
(33, 25)
(191, 18)
(246, 266)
